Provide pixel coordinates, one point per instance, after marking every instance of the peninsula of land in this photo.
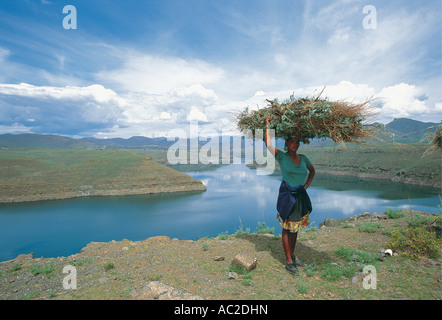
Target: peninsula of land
(32, 174)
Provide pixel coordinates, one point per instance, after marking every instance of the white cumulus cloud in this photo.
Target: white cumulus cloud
(157, 75)
(404, 100)
(196, 115)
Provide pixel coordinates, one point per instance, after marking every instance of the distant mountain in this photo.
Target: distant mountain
(136, 141)
(408, 130)
(399, 130)
(30, 140)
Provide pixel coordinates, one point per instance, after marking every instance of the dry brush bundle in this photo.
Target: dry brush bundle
(307, 118)
(435, 139)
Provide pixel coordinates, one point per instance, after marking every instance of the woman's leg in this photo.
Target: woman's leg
(288, 243)
(292, 239)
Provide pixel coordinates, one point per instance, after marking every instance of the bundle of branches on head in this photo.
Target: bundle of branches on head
(435, 139)
(308, 118)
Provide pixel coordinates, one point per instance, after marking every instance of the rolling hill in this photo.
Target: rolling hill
(30, 174)
(403, 130)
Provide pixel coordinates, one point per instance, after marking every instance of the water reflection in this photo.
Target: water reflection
(336, 197)
(383, 189)
(236, 196)
(347, 203)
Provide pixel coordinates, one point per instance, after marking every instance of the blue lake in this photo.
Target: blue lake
(236, 196)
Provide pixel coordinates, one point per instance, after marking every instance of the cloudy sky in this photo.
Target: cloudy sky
(146, 67)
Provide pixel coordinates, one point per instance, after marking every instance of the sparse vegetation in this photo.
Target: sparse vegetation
(394, 214)
(334, 272)
(349, 254)
(46, 269)
(262, 228)
(347, 224)
(334, 258)
(368, 227)
(223, 235)
(108, 266)
(17, 267)
(416, 242)
(417, 220)
(394, 162)
(240, 231)
(154, 277)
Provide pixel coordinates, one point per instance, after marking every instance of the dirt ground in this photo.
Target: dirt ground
(164, 268)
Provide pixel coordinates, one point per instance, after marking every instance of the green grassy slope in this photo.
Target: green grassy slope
(36, 174)
(397, 162)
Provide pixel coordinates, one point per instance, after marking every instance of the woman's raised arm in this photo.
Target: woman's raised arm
(268, 139)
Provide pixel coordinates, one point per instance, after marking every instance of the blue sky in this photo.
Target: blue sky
(138, 67)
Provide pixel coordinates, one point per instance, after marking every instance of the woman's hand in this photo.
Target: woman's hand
(268, 139)
(268, 119)
(311, 175)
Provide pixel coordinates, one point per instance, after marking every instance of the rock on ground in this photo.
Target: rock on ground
(245, 260)
(161, 291)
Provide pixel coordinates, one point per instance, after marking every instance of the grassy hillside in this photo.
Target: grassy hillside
(396, 162)
(29, 140)
(28, 174)
(408, 130)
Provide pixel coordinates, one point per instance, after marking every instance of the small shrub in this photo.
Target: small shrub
(310, 269)
(47, 269)
(17, 267)
(205, 246)
(394, 214)
(388, 231)
(52, 294)
(247, 276)
(347, 224)
(335, 272)
(238, 269)
(80, 261)
(155, 277)
(262, 228)
(109, 266)
(246, 282)
(368, 227)
(349, 254)
(223, 235)
(240, 231)
(417, 220)
(415, 242)
(303, 289)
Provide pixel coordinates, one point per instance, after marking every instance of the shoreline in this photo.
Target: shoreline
(368, 176)
(195, 187)
(401, 180)
(327, 223)
(202, 268)
(198, 186)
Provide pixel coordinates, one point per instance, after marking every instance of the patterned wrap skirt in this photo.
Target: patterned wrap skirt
(299, 215)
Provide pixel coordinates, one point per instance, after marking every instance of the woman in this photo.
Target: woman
(293, 204)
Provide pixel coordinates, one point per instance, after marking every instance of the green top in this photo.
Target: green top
(292, 173)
